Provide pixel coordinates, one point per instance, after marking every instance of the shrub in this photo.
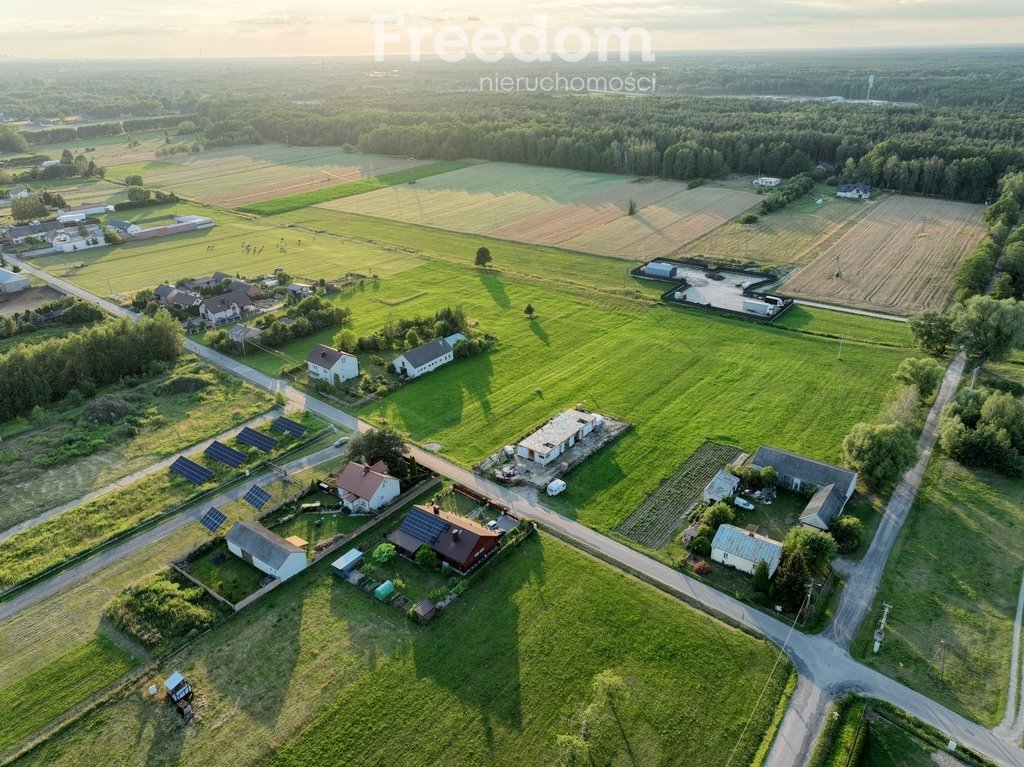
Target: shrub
(749, 218)
(186, 384)
(107, 410)
(427, 557)
(701, 545)
(769, 477)
(437, 593)
(702, 568)
(384, 553)
(717, 515)
(847, 532)
(761, 580)
(161, 610)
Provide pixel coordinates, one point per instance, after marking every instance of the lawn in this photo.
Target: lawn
(953, 576)
(317, 672)
(35, 700)
(230, 576)
(851, 327)
(35, 473)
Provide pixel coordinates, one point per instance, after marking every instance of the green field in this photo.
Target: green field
(305, 199)
(35, 700)
(954, 575)
(322, 673)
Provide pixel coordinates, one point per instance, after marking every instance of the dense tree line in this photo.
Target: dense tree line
(983, 428)
(46, 372)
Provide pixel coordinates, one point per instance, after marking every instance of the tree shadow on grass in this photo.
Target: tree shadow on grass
(434, 402)
(169, 731)
(492, 282)
(475, 377)
(538, 330)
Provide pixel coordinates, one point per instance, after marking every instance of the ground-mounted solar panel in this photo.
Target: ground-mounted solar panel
(257, 497)
(253, 438)
(191, 470)
(218, 451)
(289, 427)
(424, 526)
(213, 519)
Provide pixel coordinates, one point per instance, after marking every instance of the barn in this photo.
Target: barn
(265, 550)
(832, 485)
(743, 549)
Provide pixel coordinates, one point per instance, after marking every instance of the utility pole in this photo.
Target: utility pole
(974, 376)
(880, 631)
(841, 342)
(942, 662)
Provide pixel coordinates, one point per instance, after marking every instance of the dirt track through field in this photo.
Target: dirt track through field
(901, 257)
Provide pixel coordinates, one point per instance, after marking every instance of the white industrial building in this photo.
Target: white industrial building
(558, 435)
(12, 282)
(767, 181)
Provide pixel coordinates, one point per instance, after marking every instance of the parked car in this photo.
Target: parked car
(341, 441)
(743, 503)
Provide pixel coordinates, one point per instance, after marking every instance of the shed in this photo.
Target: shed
(720, 487)
(348, 562)
(424, 610)
(12, 282)
(384, 590)
(660, 269)
(743, 550)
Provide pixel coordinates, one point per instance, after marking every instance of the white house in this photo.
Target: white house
(721, 487)
(742, 549)
(18, 193)
(557, 435)
(124, 228)
(767, 181)
(331, 365)
(300, 290)
(12, 282)
(424, 358)
(217, 310)
(854, 191)
(265, 550)
(367, 488)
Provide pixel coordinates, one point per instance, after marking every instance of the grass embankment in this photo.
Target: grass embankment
(35, 700)
(320, 672)
(305, 199)
(953, 577)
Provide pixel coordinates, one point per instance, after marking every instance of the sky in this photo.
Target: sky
(253, 28)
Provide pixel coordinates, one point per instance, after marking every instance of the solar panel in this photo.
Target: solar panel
(190, 470)
(424, 526)
(213, 519)
(257, 497)
(253, 438)
(289, 427)
(218, 451)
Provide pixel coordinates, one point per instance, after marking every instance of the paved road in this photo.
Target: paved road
(61, 581)
(826, 667)
(863, 579)
(130, 478)
(848, 310)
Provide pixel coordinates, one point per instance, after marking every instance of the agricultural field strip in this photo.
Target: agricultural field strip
(664, 511)
(901, 257)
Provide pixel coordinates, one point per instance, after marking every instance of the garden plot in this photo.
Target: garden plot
(901, 257)
(665, 510)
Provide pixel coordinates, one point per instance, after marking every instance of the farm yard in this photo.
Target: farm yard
(279, 683)
(793, 236)
(901, 257)
(664, 511)
(545, 206)
(238, 176)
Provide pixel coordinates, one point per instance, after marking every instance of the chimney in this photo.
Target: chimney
(437, 509)
(455, 533)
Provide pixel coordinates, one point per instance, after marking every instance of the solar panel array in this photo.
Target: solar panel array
(253, 438)
(289, 427)
(218, 451)
(257, 497)
(213, 519)
(426, 527)
(191, 471)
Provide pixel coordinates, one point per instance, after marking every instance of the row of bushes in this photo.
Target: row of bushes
(157, 198)
(983, 428)
(975, 272)
(787, 192)
(843, 737)
(72, 311)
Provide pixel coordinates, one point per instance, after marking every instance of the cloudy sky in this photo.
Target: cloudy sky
(229, 28)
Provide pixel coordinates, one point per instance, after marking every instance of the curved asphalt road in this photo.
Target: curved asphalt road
(826, 669)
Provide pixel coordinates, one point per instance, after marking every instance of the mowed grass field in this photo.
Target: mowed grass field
(954, 575)
(319, 672)
(237, 176)
(579, 211)
(901, 257)
(109, 151)
(793, 236)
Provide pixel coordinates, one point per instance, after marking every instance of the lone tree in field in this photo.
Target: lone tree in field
(384, 444)
(933, 331)
(632, 208)
(924, 373)
(483, 256)
(529, 311)
(880, 452)
(28, 208)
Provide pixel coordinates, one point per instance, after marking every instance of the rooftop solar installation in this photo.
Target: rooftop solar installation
(218, 451)
(289, 427)
(257, 497)
(253, 438)
(213, 519)
(424, 526)
(190, 470)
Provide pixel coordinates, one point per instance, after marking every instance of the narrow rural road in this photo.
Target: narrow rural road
(826, 668)
(128, 479)
(61, 581)
(849, 310)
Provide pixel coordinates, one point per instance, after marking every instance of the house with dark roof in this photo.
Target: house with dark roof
(228, 307)
(457, 540)
(424, 358)
(124, 228)
(854, 191)
(743, 549)
(16, 235)
(832, 485)
(331, 365)
(18, 193)
(265, 550)
(366, 488)
(242, 333)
